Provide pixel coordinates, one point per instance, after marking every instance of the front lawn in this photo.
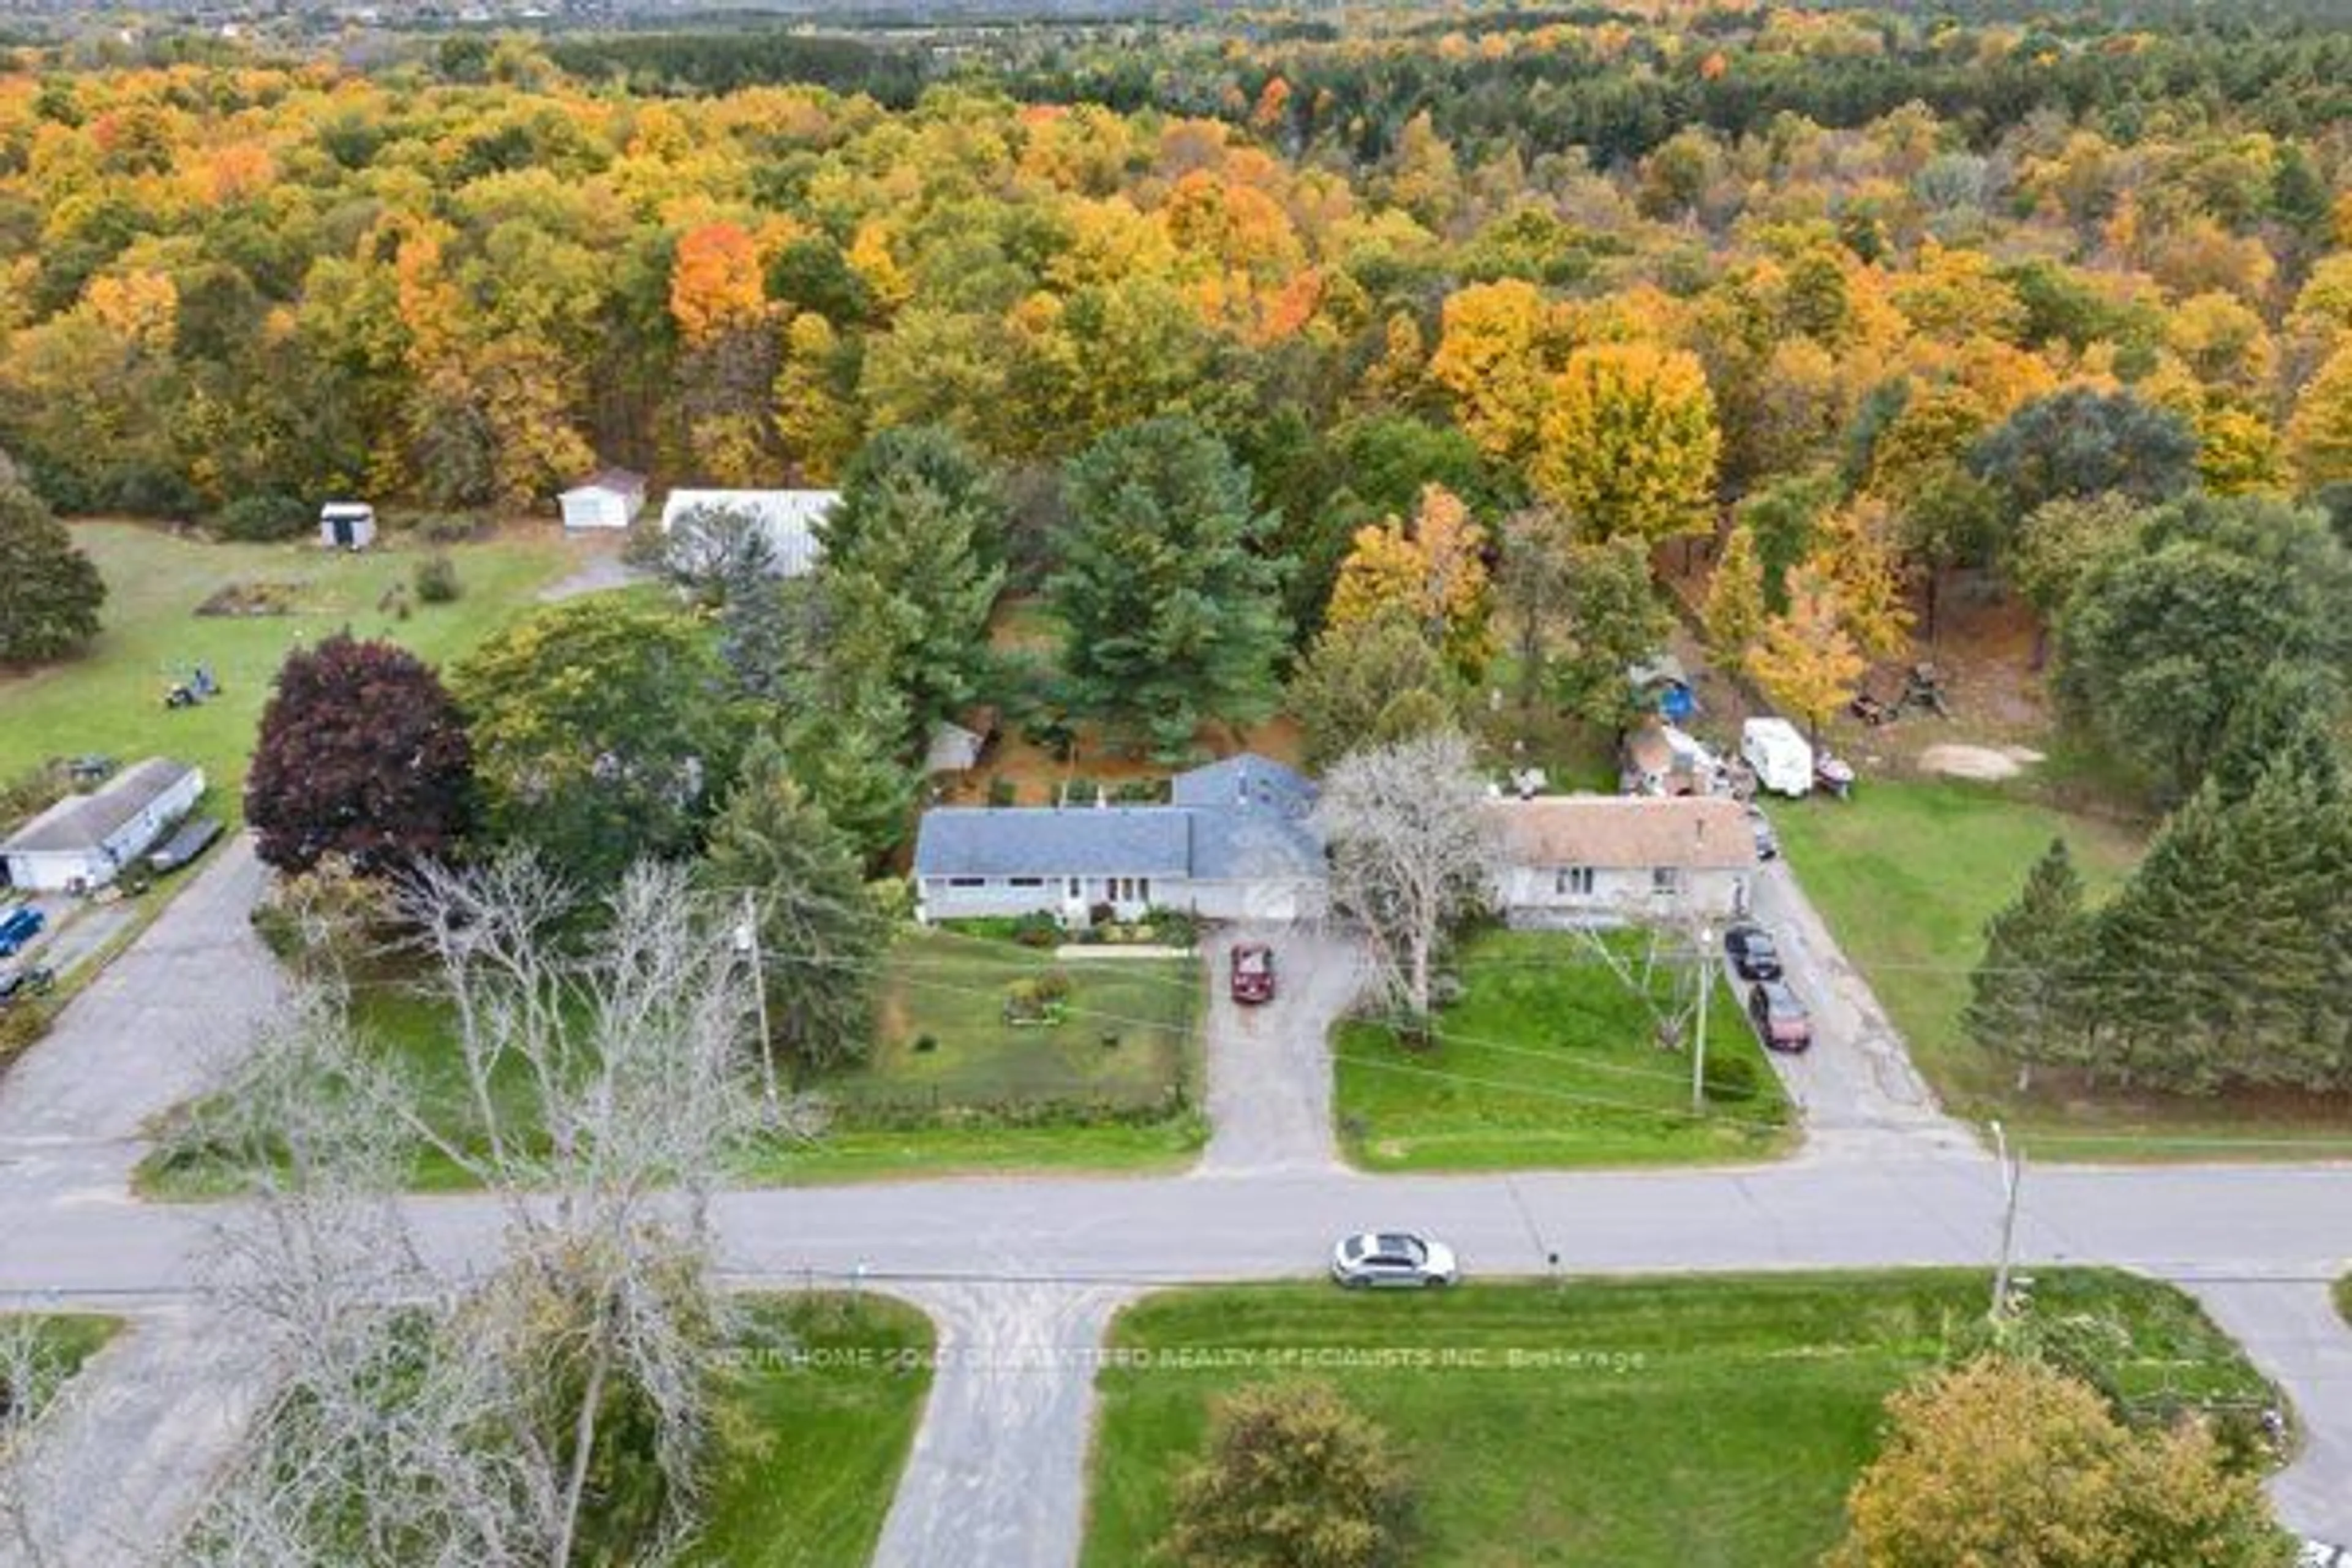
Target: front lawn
(1906, 874)
(1664, 1422)
(1115, 1085)
(110, 697)
(1549, 1059)
(814, 1425)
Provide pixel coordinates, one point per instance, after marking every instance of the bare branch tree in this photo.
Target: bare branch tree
(431, 1422)
(1413, 849)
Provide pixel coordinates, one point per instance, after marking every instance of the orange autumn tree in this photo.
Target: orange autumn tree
(1433, 568)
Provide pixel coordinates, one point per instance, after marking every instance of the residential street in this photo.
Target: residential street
(1022, 1275)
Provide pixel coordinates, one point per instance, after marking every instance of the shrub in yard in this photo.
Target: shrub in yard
(1174, 928)
(2344, 1298)
(267, 516)
(1293, 1475)
(21, 1027)
(1001, 791)
(2006, 1461)
(446, 528)
(1037, 930)
(1053, 985)
(436, 580)
(1733, 1080)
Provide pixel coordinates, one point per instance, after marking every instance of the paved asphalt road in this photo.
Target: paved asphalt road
(1024, 1272)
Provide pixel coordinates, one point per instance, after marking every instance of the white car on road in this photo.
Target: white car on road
(1393, 1257)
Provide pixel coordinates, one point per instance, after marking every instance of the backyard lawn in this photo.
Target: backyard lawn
(1667, 1422)
(1907, 873)
(813, 1430)
(109, 698)
(986, 1096)
(1549, 1059)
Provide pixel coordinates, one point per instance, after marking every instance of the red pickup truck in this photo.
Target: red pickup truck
(1252, 973)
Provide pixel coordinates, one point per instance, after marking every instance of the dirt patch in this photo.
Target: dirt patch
(254, 599)
(1989, 762)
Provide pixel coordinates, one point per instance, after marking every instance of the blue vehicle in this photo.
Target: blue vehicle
(18, 927)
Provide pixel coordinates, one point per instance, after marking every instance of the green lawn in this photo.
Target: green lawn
(1667, 1423)
(110, 698)
(814, 1427)
(1907, 873)
(62, 1341)
(1546, 1059)
(986, 1096)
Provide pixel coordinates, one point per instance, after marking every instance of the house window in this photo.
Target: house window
(1028, 881)
(1575, 880)
(967, 882)
(1665, 880)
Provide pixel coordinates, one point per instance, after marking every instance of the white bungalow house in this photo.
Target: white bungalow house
(789, 519)
(83, 840)
(1234, 842)
(609, 499)
(1602, 859)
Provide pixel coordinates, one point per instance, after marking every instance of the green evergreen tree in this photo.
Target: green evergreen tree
(50, 592)
(773, 849)
(2024, 998)
(917, 541)
(2286, 721)
(848, 748)
(1170, 614)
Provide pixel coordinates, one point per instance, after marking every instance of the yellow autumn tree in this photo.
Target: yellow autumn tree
(1854, 557)
(1734, 613)
(1498, 352)
(1433, 568)
(2319, 437)
(1629, 442)
(1804, 661)
(2237, 451)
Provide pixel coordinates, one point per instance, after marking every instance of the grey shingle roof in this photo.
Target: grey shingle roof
(86, 821)
(1042, 841)
(1245, 779)
(1254, 845)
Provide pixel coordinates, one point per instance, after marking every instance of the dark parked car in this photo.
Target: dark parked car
(195, 836)
(19, 926)
(19, 984)
(1780, 1020)
(1752, 954)
(1253, 973)
(1768, 843)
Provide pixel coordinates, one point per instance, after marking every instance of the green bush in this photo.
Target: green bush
(1731, 1080)
(22, 1024)
(2344, 1297)
(436, 580)
(1037, 928)
(263, 517)
(446, 528)
(1001, 791)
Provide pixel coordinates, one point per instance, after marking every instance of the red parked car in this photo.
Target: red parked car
(1252, 973)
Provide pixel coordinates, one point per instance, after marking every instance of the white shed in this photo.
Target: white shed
(83, 840)
(789, 518)
(610, 500)
(347, 524)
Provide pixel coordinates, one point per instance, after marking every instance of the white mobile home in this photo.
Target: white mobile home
(81, 842)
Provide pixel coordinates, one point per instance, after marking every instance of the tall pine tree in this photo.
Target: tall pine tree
(1172, 615)
(820, 935)
(2024, 998)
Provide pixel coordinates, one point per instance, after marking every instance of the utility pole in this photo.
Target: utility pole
(747, 941)
(1698, 1047)
(2012, 1181)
